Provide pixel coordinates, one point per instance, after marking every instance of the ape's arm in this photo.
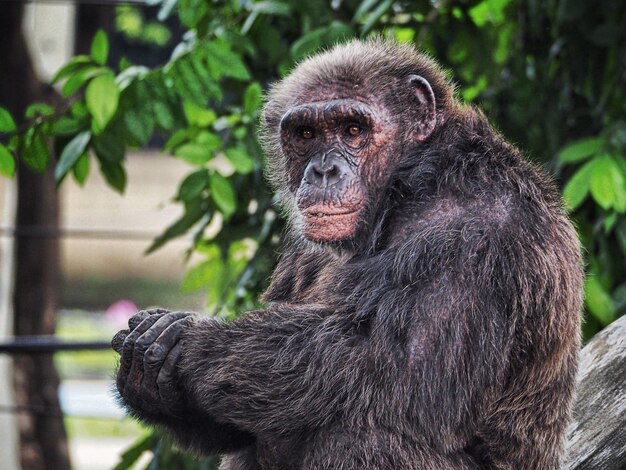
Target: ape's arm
(432, 312)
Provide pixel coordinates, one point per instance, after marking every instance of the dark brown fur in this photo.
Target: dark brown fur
(442, 335)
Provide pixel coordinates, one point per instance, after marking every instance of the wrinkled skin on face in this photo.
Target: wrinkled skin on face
(336, 150)
(340, 144)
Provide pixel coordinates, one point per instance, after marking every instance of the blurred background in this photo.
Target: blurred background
(132, 175)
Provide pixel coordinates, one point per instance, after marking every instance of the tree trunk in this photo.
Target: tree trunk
(42, 434)
(597, 434)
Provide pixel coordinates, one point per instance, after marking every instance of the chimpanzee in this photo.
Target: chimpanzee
(424, 313)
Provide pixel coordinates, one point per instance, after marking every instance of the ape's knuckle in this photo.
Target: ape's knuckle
(143, 343)
(155, 311)
(128, 346)
(154, 354)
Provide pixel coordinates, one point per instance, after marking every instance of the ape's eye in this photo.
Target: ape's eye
(354, 130)
(306, 133)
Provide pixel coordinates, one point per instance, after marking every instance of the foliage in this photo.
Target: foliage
(550, 74)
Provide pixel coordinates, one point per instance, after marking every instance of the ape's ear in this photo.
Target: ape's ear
(425, 114)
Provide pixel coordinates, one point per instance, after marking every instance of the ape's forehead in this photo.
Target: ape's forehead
(331, 90)
(363, 70)
(341, 73)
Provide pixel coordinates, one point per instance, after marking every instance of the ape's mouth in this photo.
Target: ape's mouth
(320, 212)
(327, 223)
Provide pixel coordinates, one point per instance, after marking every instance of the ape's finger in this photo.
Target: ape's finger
(138, 331)
(142, 337)
(157, 310)
(155, 331)
(159, 350)
(118, 340)
(167, 380)
(126, 362)
(137, 318)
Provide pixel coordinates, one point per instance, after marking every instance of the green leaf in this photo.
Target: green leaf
(189, 85)
(489, 11)
(194, 153)
(140, 124)
(577, 187)
(209, 140)
(240, 160)
(308, 44)
(472, 92)
(130, 456)
(114, 175)
(109, 147)
(220, 279)
(191, 12)
(504, 48)
(7, 162)
(7, 124)
(72, 66)
(363, 9)
(619, 177)
(70, 154)
(606, 181)
(193, 212)
(221, 58)
(178, 137)
(223, 194)
(201, 68)
(609, 222)
(247, 25)
(252, 98)
(337, 32)
(198, 115)
(76, 81)
(38, 109)
(315, 40)
(35, 153)
(599, 301)
(138, 113)
(375, 16)
(212, 273)
(581, 150)
(66, 126)
(193, 185)
(270, 7)
(163, 115)
(202, 274)
(102, 98)
(100, 47)
(79, 110)
(81, 169)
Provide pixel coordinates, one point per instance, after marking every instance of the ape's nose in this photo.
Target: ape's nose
(325, 170)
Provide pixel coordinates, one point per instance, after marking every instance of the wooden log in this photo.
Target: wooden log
(597, 435)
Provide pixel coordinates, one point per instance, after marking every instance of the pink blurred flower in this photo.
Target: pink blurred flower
(120, 311)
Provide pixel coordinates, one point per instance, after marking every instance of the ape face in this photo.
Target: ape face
(328, 145)
(340, 150)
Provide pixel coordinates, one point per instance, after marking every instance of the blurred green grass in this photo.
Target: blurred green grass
(78, 427)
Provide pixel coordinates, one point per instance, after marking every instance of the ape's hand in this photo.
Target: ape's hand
(147, 378)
